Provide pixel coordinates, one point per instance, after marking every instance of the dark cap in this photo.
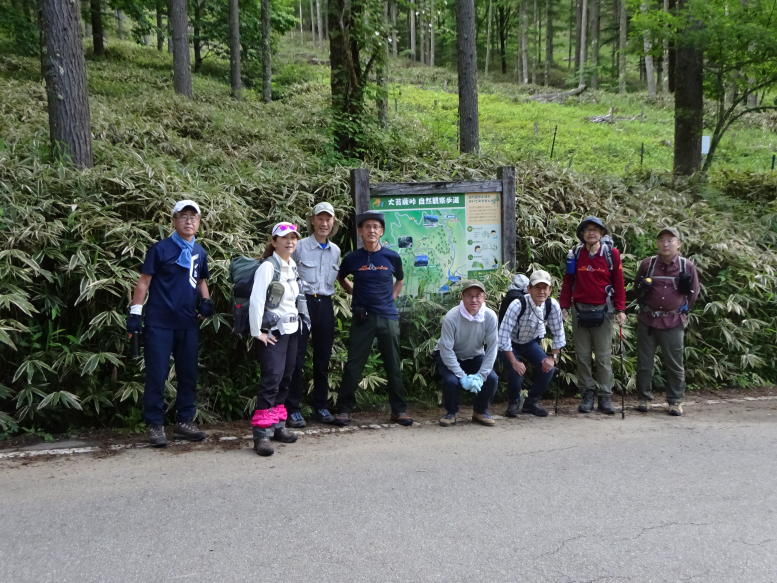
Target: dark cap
(670, 231)
(370, 216)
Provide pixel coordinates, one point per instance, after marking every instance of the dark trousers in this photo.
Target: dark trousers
(159, 345)
(322, 336)
(363, 332)
(451, 385)
(276, 363)
(533, 354)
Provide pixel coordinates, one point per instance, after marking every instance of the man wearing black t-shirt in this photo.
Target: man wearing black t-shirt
(377, 280)
(174, 276)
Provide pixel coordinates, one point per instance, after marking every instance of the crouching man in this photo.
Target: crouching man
(520, 333)
(465, 354)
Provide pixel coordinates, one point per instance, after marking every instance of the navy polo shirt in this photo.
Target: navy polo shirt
(172, 296)
(373, 279)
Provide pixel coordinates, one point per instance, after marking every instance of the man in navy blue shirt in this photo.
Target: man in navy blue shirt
(377, 280)
(174, 276)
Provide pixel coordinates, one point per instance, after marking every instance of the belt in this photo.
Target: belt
(318, 296)
(659, 314)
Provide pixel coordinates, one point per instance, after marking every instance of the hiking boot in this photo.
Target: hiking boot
(534, 409)
(484, 419)
(402, 419)
(262, 446)
(512, 409)
(156, 435)
(447, 420)
(284, 435)
(342, 419)
(295, 420)
(324, 416)
(643, 406)
(587, 404)
(676, 409)
(189, 431)
(605, 405)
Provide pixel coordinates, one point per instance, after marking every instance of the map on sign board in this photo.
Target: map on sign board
(442, 238)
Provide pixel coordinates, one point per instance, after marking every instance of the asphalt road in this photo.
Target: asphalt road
(568, 498)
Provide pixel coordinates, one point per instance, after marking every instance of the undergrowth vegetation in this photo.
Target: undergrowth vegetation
(71, 242)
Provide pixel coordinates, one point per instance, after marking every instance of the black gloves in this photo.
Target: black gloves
(205, 308)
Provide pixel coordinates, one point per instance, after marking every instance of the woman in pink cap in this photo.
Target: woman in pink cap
(275, 322)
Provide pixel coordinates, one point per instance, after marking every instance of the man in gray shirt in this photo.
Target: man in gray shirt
(465, 354)
(318, 260)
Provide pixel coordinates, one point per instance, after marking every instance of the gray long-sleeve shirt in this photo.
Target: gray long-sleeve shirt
(462, 339)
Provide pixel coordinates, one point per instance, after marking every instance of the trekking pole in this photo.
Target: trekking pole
(557, 391)
(623, 372)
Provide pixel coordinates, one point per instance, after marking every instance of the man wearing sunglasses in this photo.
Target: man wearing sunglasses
(377, 281)
(173, 276)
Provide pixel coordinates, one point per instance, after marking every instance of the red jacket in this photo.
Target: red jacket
(588, 285)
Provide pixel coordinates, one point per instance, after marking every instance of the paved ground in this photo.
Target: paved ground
(568, 498)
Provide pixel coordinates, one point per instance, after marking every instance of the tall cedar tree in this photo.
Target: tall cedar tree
(96, 13)
(236, 82)
(466, 50)
(65, 73)
(266, 54)
(182, 73)
(688, 102)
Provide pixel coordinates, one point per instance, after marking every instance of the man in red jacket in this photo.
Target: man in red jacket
(593, 289)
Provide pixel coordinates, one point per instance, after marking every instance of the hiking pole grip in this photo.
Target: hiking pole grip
(134, 345)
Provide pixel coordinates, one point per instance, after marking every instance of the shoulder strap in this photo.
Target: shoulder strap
(606, 250)
(682, 266)
(522, 299)
(651, 266)
(548, 306)
(276, 268)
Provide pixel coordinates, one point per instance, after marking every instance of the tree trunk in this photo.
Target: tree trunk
(196, 40)
(647, 43)
(548, 41)
(522, 62)
(120, 24)
(537, 42)
(98, 44)
(346, 79)
(502, 31)
(583, 41)
(64, 69)
(266, 56)
(381, 78)
(301, 31)
(688, 105)
(432, 32)
(236, 83)
(319, 25)
(160, 31)
(411, 14)
(394, 33)
(313, 22)
(466, 51)
(182, 74)
(595, 11)
(488, 36)
(623, 22)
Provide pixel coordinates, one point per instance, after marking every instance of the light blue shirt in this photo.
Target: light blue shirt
(317, 266)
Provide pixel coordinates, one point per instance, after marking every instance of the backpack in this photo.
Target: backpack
(606, 244)
(518, 294)
(683, 280)
(241, 274)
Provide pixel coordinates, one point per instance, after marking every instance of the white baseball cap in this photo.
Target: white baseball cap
(540, 276)
(182, 204)
(323, 207)
(284, 228)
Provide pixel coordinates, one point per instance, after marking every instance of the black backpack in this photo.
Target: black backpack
(241, 273)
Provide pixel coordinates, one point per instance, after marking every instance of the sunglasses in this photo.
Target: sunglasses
(284, 228)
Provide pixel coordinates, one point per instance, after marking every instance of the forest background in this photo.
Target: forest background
(580, 103)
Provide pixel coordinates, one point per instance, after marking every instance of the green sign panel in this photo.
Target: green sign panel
(442, 238)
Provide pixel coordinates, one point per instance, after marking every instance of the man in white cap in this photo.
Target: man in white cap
(520, 334)
(465, 354)
(318, 261)
(174, 276)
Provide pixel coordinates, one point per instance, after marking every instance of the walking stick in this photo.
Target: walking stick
(555, 405)
(623, 373)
